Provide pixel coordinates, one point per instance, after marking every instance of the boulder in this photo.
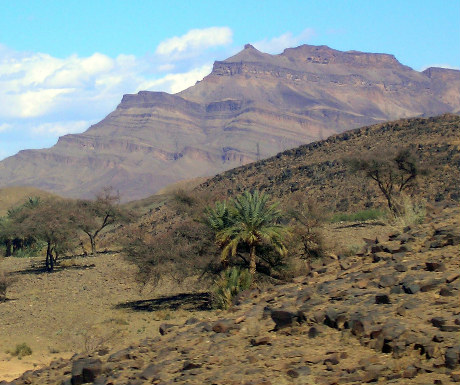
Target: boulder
(85, 370)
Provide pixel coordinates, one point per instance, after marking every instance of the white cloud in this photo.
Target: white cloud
(195, 40)
(60, 128)
(287, 40)
(43, 97)
(177, 82)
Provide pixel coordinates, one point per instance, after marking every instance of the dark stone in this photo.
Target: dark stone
(165, 328)
(438, 321)
(381, 256)
(188, 365)
(446, 292)
(396, 290)
(450, 328)
(192, 321)
(150, 372)
(382, 299)
(430, 285)
(410, 372)
(299, 372)
(435, 266)
(410, 288)
(313, 332)
(101, 380)
(388, 280)
(260, 341)
(376, 248)
(284, 318)
(204, 326)
(119, 356)
(452, 357)
(333, 360)
(222, 326)
(400, 267)
(85, 370)
(438, 338)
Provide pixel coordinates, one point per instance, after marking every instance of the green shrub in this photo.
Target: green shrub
(29, 251)
(360, 216)
(21, 350)
(228, 285)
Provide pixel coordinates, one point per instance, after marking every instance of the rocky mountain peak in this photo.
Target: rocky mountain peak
(253, 105)
(325, 55)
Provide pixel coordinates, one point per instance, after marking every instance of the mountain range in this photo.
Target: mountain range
(251, 106)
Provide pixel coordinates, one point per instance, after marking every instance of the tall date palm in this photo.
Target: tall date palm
(252, 221)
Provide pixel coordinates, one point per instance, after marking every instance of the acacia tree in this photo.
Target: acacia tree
(392, 174)
(249, 220)
(92, 217)
(49, 221)
(10, 234)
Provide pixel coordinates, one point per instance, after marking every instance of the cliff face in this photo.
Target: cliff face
(251, 106)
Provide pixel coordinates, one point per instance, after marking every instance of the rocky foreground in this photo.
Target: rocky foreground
(389, 314)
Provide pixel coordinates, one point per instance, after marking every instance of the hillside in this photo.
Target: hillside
(251, 106)
(381, 307)
(319, 169)
(389, 314)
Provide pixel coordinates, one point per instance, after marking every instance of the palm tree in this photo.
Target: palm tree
(252, 221)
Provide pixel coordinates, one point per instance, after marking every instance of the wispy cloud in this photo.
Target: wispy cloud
(5, 127)
(195, 41)
(60, 128)
(42, 95)
(279, 43)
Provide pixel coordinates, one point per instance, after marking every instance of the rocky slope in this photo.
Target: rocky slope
(388, 314)
(251, 106)
(319, 170)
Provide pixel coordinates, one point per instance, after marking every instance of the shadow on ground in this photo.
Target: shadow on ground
(184, 301)
(41, 269)
(361, 224)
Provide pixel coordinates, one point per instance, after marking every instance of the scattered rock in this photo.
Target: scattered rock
(85, 370)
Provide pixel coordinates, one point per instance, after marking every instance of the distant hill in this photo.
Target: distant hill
(318, 170)
(15, 196)
(252, 106)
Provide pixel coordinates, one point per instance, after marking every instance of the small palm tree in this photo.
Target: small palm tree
(252, 220)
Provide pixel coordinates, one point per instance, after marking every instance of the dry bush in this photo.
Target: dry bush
(306, 241)
(21, 350)
(97, 338)
(411, 211)
(6, 280)
(184, 250)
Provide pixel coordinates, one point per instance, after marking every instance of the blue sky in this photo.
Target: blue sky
(65, 65)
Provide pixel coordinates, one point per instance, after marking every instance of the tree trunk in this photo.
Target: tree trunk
(252, 260)
(8, 248)
(49, 258)
(93, 245)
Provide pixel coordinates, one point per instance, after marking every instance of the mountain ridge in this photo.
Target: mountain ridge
(251, 106)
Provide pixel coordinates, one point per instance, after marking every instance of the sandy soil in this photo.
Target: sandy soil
(73, 309)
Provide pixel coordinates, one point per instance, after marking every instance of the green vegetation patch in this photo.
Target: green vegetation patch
(360, 216)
